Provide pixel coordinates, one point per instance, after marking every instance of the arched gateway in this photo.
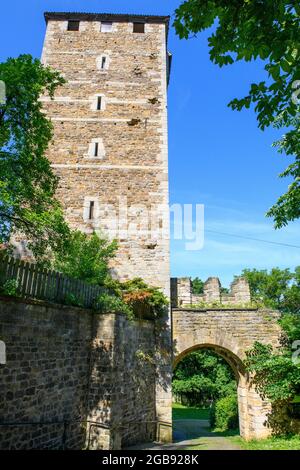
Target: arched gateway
(230, 333)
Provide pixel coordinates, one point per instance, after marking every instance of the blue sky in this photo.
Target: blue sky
(217, 157)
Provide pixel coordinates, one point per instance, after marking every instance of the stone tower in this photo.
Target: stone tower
(110, 146)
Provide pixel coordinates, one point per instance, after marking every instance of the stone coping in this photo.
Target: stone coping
(117, 17)
(47, 304)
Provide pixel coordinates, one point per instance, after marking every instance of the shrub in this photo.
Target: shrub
(224, 414)
(86, 257)
(107, 303)
(144, 301)
(73, 300)
(10, 288)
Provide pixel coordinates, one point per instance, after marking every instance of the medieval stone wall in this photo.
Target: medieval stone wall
(68, 372)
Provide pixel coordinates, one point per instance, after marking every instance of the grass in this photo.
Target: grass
(185, 412)
(273, 443)
(296, 399)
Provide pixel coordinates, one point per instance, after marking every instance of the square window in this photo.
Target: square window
(73, 25)
(138, 27)
(106, 27)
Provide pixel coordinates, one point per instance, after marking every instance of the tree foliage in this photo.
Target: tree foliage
(276, 375)
(27, 183)
(278, 288)
(86, 257)
(270, 31)
(144, 301)
(197, 286)
(202, 377)
(224, 414)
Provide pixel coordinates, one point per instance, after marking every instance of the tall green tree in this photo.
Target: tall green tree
(197, 286)
(277, 288)
(270, 31)
(86, 257)
(27, 183)
(276, 373)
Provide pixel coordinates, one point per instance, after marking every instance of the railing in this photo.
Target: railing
(92, 424)
(32, 281)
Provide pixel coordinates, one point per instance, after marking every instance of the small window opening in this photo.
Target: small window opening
(103, 63)
(99, 103)
(73, 25)
(91, 210)
(138, 27)
(106, 27)
(96, 149)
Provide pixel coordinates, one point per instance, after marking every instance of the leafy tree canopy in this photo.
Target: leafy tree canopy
(86, 257)
(27, 183)
(197, 286)
(202, 377)
(278, 288)
(276, 374)
(270, 31)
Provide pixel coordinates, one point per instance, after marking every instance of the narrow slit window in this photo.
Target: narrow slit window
(73, 25)
(91, 210)
(96, 150)
(103, 63)
(99, 103)
(106, 27)
(138, 27)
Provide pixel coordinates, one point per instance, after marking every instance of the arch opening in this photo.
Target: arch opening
(217, 398)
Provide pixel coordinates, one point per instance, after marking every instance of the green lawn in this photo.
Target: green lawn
(185, 412)
(274, 443)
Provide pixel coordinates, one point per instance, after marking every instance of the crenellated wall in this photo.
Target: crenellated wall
(182, 292)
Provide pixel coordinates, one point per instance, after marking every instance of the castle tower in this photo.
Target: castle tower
(110, 146)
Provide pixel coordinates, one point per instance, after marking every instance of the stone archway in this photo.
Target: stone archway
(230, 333)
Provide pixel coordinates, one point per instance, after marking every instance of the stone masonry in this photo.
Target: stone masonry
(110, 144)
(182, 292)
(115, 97)
(73, 379)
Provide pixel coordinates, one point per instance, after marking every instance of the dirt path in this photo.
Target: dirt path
(193, 433)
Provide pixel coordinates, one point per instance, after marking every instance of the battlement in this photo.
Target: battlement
(182, 292)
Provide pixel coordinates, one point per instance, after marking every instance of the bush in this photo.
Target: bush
(86, 257)
(10, 288)
(73, 300)
(144, 301)
(107, 303)
(224, 414)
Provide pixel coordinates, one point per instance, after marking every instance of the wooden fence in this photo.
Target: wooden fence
(32, 281)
